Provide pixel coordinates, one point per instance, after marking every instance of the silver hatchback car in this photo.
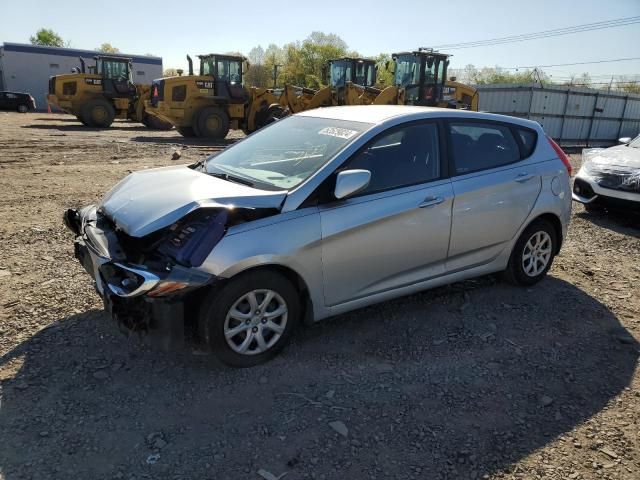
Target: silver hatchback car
(321, 213)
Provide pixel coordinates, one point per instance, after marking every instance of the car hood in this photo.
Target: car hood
(621, 157)
(149, 200)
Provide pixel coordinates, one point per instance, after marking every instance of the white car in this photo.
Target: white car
(610, 177)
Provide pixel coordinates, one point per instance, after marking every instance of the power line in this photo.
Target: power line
(619, 22)
(575, 63)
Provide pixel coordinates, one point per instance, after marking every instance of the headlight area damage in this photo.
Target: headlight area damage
(151, 284)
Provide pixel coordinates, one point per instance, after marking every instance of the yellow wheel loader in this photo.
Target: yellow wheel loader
(209, 104)
(422, 74)
(102, 94)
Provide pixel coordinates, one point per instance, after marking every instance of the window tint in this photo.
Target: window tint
(479, 146)
(529, 139)
(403, 157)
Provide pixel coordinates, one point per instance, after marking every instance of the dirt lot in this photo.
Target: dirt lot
(475, 380)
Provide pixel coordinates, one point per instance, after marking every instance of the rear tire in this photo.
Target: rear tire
(98, 113)
(22, 108)
(186, 132)
(532, 254)
(212, 122)
(154, 123)
(244, 306)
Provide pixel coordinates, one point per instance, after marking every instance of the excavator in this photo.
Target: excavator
(97, 94)
(214, 101)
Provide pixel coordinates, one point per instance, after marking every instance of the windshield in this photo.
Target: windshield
(287, 152)
(340, 73)
(635, 143)
(364, 74)
(407, 70)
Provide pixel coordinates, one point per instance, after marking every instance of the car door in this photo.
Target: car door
(395, 232)
(495, 189)
(11, 101)
(3, 100)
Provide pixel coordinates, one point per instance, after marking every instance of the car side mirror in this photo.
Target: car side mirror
(624, 140)
(350, 182)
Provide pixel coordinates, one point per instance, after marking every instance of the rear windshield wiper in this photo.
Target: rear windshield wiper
(232, 178)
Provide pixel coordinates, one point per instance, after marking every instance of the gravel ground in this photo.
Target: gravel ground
(475, 380)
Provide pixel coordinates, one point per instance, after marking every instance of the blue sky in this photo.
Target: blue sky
(172, 29)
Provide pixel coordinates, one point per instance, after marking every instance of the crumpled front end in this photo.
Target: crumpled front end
(146, 282)
(608, 176)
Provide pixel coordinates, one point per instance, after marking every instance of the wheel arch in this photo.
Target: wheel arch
(555, 222)
(296, 280)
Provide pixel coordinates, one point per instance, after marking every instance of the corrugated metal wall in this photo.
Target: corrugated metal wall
(571, 115)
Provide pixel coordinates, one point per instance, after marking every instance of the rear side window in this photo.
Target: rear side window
(406, 156)
(528, 139)
(480, 146)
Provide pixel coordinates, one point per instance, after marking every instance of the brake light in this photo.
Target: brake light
(563, 156)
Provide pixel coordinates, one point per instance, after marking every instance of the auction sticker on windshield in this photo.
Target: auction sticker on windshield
(338, 132)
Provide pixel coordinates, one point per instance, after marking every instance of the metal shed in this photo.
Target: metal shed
(573, 116)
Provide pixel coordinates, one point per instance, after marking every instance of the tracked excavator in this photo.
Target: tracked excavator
(97, 94)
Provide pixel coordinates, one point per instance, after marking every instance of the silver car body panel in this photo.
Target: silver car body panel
(368, 248)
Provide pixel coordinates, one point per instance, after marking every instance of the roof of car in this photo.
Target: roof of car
(375, 114)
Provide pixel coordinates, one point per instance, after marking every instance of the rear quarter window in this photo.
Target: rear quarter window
(528, 138)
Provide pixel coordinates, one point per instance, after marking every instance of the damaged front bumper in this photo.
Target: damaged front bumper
(140, 298)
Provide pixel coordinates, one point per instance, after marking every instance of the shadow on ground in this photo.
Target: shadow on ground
(127, 127)
(621, 221)
(453, 383)
(179, 139)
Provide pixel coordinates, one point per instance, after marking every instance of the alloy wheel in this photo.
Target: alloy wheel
(255, 322)
(537, 253)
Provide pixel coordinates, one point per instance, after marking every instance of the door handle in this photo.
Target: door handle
(431, 201)
(524, 177)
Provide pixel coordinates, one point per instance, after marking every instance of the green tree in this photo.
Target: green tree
(385, 74)
(316, 51)
(107, 48)
(47, 37)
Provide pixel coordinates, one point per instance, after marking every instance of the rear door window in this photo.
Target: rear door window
(481, 145)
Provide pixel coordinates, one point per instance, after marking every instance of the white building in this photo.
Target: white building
(27, 68)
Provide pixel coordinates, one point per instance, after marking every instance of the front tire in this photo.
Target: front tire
(212, 122)
(23, 108)
(532, 254)
(251, 319)
(186, 132)
(98, 113)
